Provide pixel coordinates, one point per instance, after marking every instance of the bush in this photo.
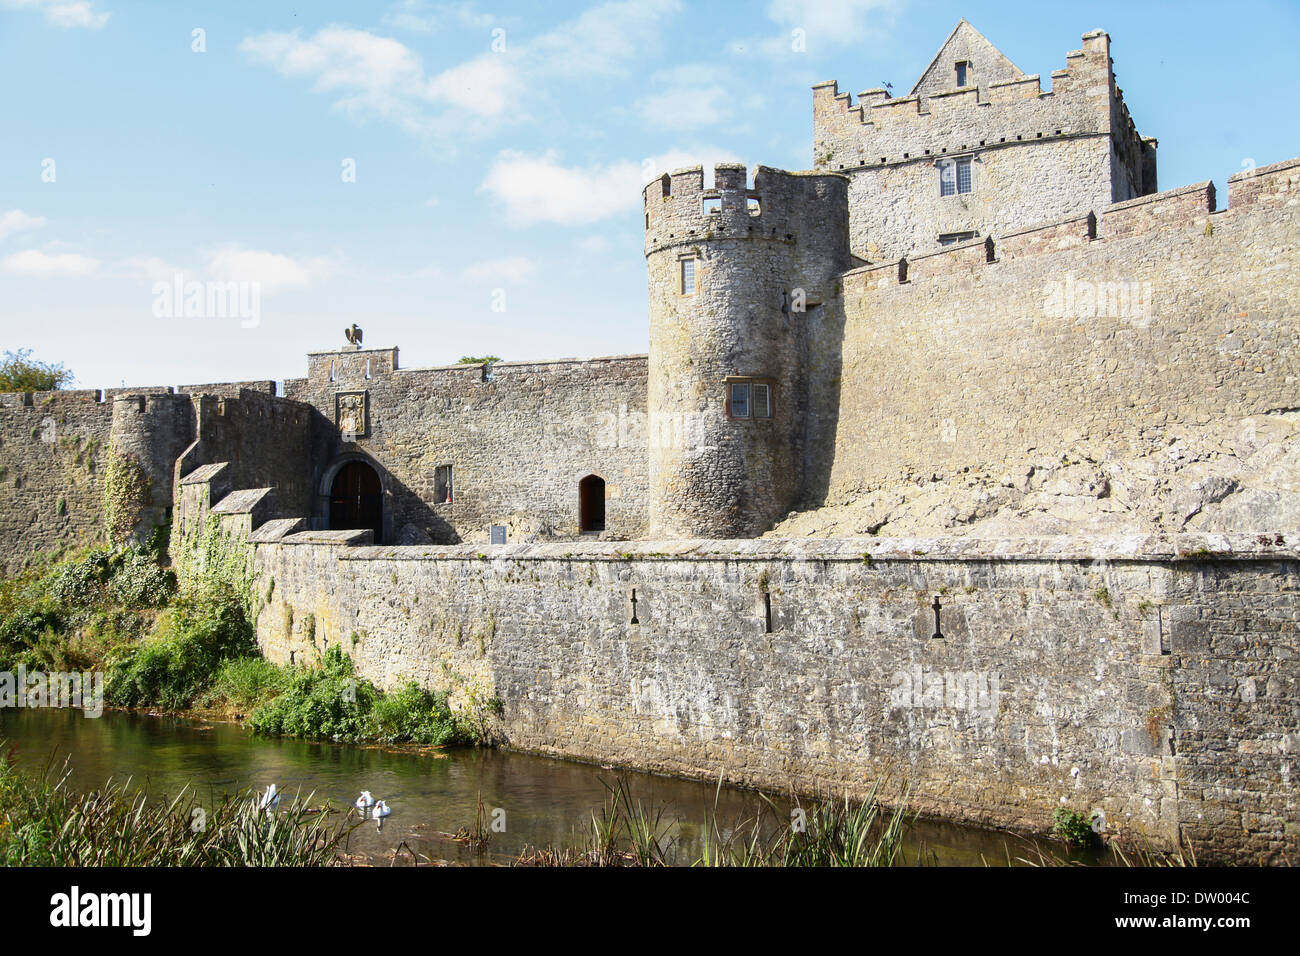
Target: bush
(71, 614)
(189, 644)
(245, 683)
(416, 715)
(331, 702)
(319, 702)
(1073, 827)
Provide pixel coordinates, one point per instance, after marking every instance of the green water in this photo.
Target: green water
(546, 801)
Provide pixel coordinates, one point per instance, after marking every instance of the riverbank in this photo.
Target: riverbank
(539, 803)
(187, 647)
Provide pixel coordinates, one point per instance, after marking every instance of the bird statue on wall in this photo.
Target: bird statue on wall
(353, 335)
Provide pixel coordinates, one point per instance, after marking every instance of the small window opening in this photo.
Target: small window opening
(954, 177)
(711, 205)
(667, 183)
(961, 73)
(753, 207)
(688, 277)
(739, 400)
(749, 399)
(334, 376)
(442, 484)
(952, 238)
(591, 504)
(767, 612)
(367, 368)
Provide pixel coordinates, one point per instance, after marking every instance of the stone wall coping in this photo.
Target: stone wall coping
(1161, 196)
(1248, 174)
(241, 502)
(518, 363)
(1133, 548)
(204, 473)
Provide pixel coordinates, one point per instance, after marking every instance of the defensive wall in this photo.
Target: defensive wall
(518, 437)
(1092, 332)
(1154, 680)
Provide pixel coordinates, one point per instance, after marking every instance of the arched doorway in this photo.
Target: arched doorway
(591, 503)
(357, 500)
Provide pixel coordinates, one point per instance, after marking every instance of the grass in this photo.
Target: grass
(828, 832)
(44, 823)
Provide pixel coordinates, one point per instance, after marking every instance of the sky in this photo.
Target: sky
(464, 178)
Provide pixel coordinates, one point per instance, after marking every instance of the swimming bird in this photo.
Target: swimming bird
(365, 801)
(381, 810)
(269, 800)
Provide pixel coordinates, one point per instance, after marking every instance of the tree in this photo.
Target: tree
(19, 372)
(471, 360)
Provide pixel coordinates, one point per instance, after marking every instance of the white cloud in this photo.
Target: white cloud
(604, 38)
(273, 270)
(15, 220)
(508, 269)
(538, 188)
(44, 265)
(371, 74)
(68, 14)
(483, 86)
(824, 24)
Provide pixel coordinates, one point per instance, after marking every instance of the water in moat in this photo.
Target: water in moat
(546, 801)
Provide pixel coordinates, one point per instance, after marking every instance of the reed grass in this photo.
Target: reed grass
(43, 822)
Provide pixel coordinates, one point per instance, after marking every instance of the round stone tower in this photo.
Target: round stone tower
(735, 272)
(150, 430)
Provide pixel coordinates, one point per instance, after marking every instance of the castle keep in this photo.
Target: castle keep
(975, 311)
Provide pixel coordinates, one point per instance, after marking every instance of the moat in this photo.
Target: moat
(547, 802)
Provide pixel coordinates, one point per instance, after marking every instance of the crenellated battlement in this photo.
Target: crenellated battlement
(779, 205)
(1186, 208)
(881, 130)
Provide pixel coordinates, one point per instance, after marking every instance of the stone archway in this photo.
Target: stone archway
(356, 499)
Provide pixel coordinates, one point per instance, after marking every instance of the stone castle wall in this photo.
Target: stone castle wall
(1036, 155)
(1154, 680)
(1174, 313)
(519, 437)
(53, 458)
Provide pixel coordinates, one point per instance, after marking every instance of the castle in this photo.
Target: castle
(975, 272)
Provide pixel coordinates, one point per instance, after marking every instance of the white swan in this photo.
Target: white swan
(365, 801)
(269, 800)
(381, 810)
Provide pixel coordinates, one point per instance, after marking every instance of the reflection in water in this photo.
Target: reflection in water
(539, 801)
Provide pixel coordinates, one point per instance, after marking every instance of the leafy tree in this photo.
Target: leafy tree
(471, 360)
(19, 372)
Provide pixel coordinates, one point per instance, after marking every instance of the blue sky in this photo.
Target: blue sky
(495, 206)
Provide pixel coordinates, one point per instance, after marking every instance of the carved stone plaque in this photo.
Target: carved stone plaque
(352, 414)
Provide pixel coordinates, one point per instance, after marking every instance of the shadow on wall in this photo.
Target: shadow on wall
(356, 492)
(821, 366)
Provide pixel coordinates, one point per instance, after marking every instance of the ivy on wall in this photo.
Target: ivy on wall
(127, 491)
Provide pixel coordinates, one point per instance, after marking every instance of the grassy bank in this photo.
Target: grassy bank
(44, 823)
(190, 646)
